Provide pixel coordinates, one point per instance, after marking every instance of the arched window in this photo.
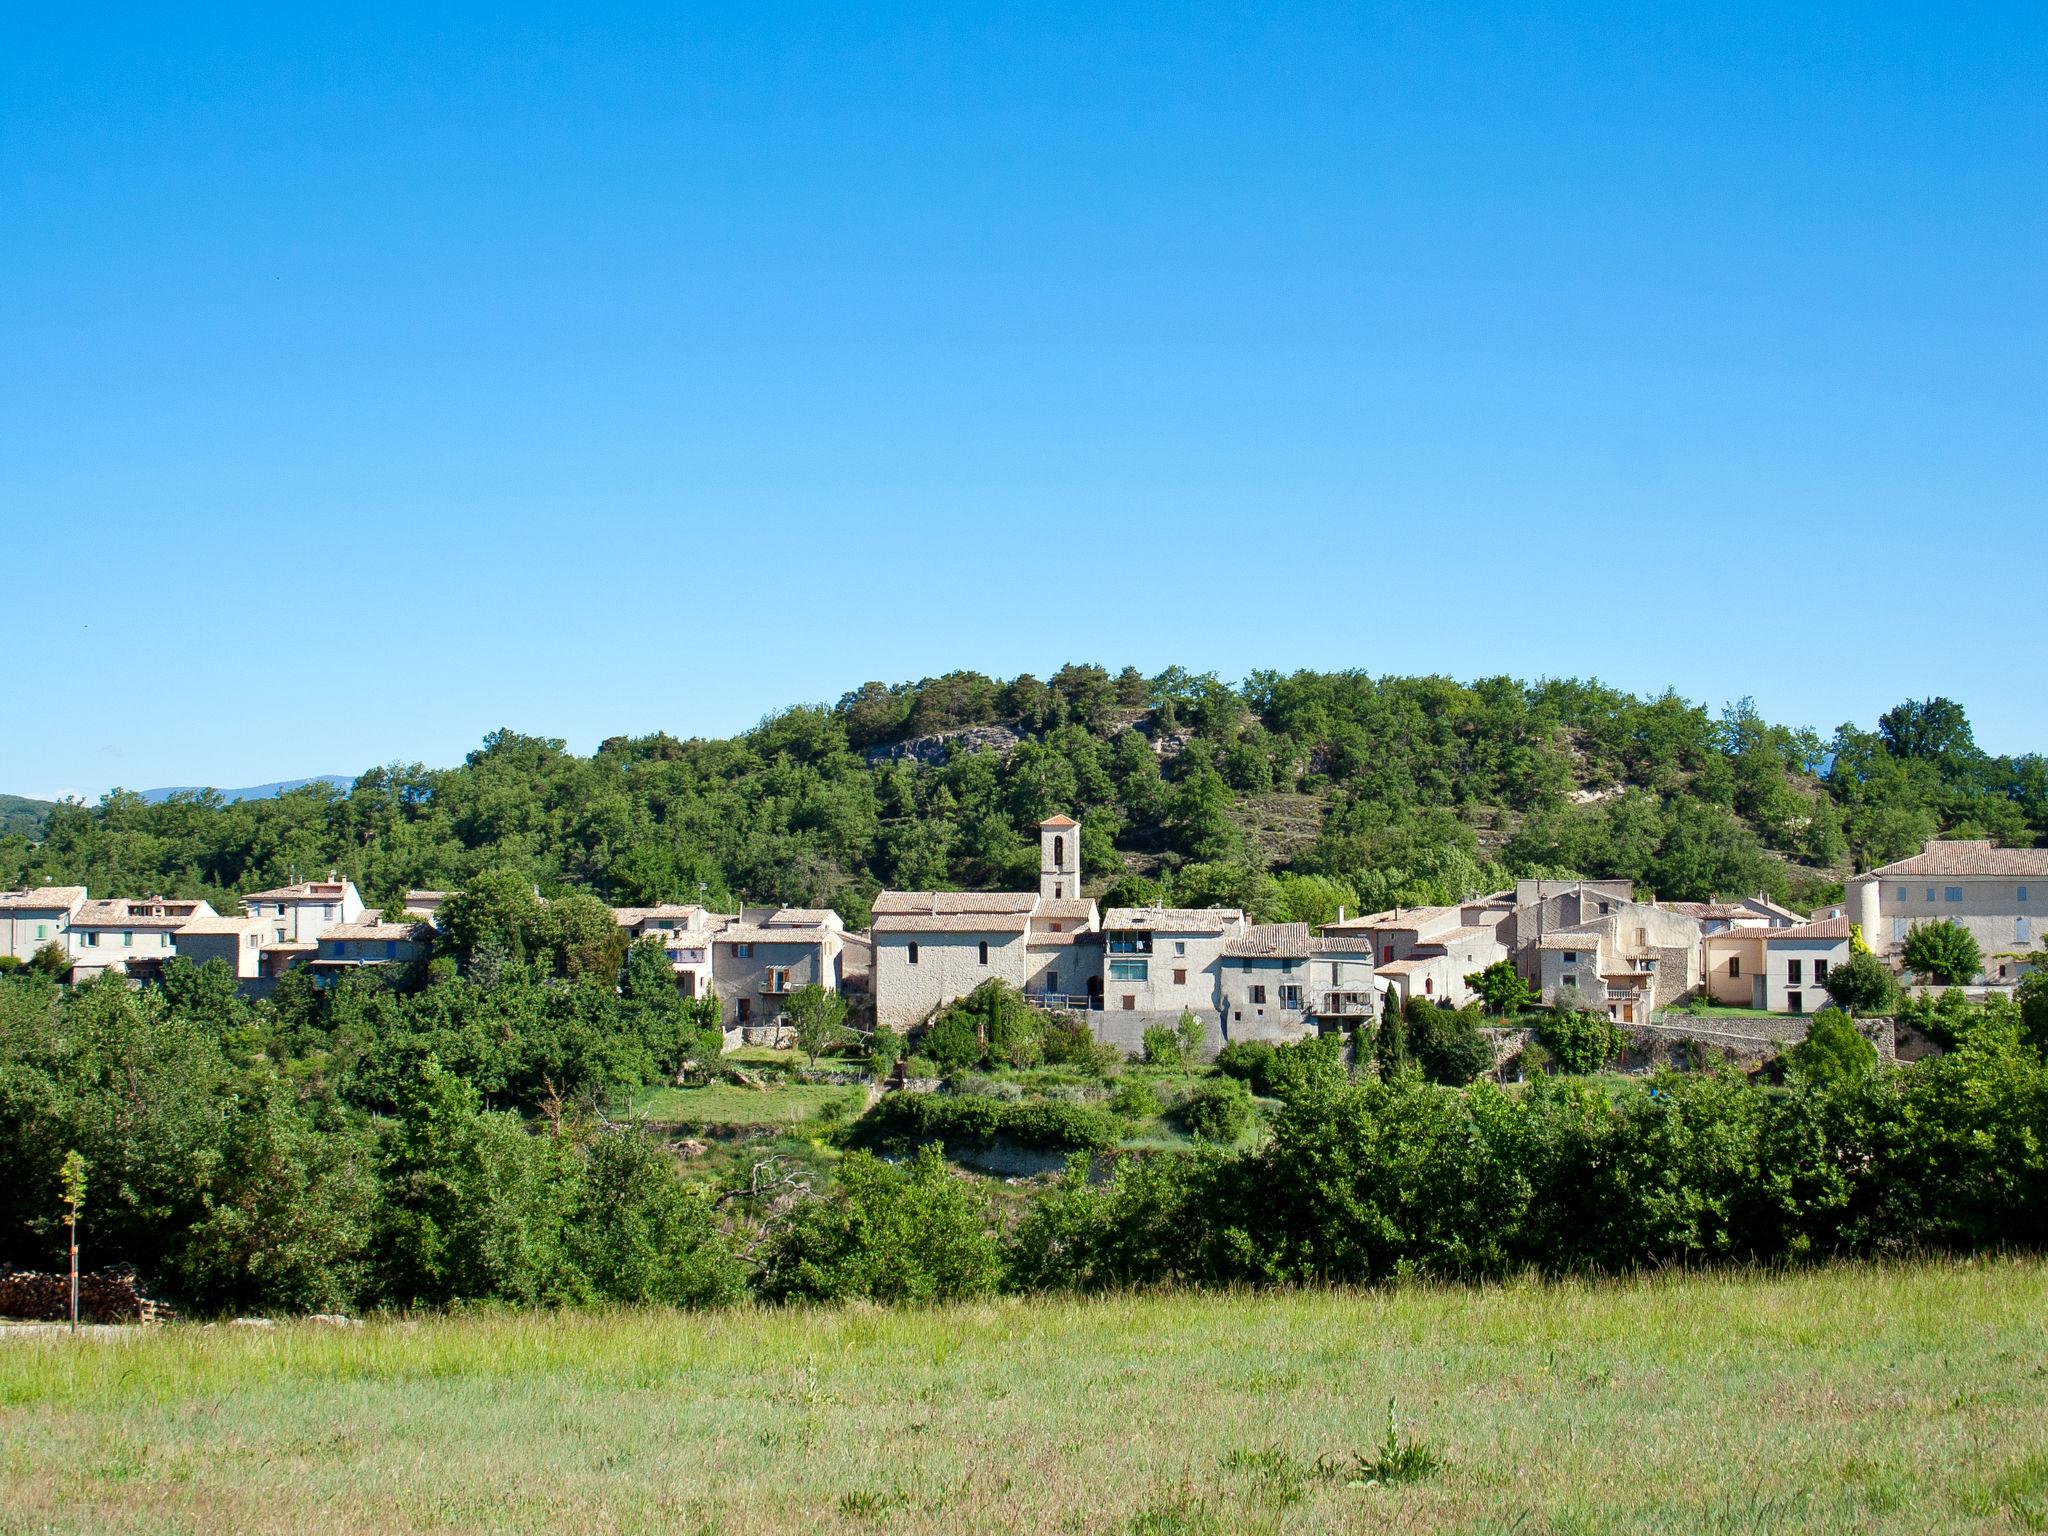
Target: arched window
(1059, 853)
(984, 951)
(913, 953)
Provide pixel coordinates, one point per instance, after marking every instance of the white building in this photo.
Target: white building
(1996, 893)
(30, 919)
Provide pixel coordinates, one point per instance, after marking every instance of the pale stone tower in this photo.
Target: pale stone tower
(1059, 858)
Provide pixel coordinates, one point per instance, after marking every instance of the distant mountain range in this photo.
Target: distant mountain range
(22, 817)
(252, 792)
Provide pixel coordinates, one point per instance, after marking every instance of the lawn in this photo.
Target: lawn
(731, 1104)
(1912, 1399)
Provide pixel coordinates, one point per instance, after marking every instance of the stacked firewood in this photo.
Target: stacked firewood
(110, 1296)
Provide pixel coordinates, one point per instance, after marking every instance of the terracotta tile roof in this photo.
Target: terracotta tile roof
(373, 930)
(1291, 941)
(1572, 938)
(755, 933)
(1967, 858)
(1395, 921)
(1059, 821)
(305, 890)
(1065, 907)
(953, 922)
(1453, 936)
(200, 925)
(1174, 919)
(894, 903)
(42, 899)
(633, 917)
(1400, 967)
(1827, 930)
(137, 914)
(802, 917)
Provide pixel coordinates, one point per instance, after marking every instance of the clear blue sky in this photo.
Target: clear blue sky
(369, 382)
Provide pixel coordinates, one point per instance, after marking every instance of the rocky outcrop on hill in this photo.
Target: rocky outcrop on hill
(939, 748)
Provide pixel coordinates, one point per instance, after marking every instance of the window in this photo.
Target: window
(1795, 1002)
(1428, 985)
(1735, 965)
(912, 951)
(1952, 893)
(1130, 970)
(778, 978)
(1642, 937)
(1130, 1003)
(1820, 972)
(1902, 893)
(1059, 853)
(1603, 909)
(746, 1009)
(1180, 946)
(984, 951)
(90, 940)
(1290, 997)
(2022, 931)
(1180, 975)
(2022, 897)
(1570, 979)
(254, 940)
(43, 929)
(1052, 981)
(1930, 893)
(1898, 929)
(1052, 927)
(1792, 970)
(743, 951)
(1571, 957)
(127, 940)
(1259, 995)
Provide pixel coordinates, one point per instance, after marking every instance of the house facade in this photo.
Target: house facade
(1996, 893)
(1278, 982)
(30, 919)
(129, 936)
(931, 948)
(758, 959)
(348, 947)
(685, 933)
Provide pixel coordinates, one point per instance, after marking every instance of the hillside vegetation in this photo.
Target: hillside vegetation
(1906, 1400)
(21, 817)
(1285, 795)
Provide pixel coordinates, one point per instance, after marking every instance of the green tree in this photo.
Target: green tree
(1390, 1049)
(1945, 952)
(1862, 984)
(1502, 989)
(1833, 1052)
(1579, 1041)
(819, 1016)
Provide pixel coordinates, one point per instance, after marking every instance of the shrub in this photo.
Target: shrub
(1162, 1047)
(1307, 1066)
(1579, 1042)
(1250, 1062)
(1135, 1099)
(1218, 1111)
(952, 1041)
(915, 1233)
(1862, 984)
(1833, 1051)
(1447, 1044)
(991, 1024)
(1069, 1042)
(902, 1122)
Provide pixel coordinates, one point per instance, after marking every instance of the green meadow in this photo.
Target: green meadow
(1908, 1399)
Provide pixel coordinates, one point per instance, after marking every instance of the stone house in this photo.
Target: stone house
(931, 948)
(350, 946)
(1429, 951)
(237, 942)
(294, 917)
(1626, 961)
(685, 932)
(1278, 982)
(1995, 893)
(133, 937)
(758, 959)
(29, 919)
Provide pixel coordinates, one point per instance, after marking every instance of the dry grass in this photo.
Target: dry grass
(1912, 1400)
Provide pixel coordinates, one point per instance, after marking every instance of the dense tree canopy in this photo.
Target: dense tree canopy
(1288, 795)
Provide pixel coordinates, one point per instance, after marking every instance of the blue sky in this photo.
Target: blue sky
(371, 381)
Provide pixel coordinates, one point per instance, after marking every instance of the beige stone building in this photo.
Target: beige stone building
(348, 947)
(931, 948)
(294, 917)
(760, 957)
(1278, 982)
(1996, 893)
(685, 932)
(30, 919)
(237, 942)
(133, 937)
(1626, 959)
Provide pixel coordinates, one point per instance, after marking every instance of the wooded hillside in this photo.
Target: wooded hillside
(1286, 795)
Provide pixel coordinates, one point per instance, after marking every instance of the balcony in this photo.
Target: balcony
(1062, 1002)
(1346, 1005)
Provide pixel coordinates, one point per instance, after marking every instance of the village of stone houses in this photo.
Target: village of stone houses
(1740, 976)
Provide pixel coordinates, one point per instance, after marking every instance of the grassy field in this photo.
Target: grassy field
(730, 1104)
(1908, 1400)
